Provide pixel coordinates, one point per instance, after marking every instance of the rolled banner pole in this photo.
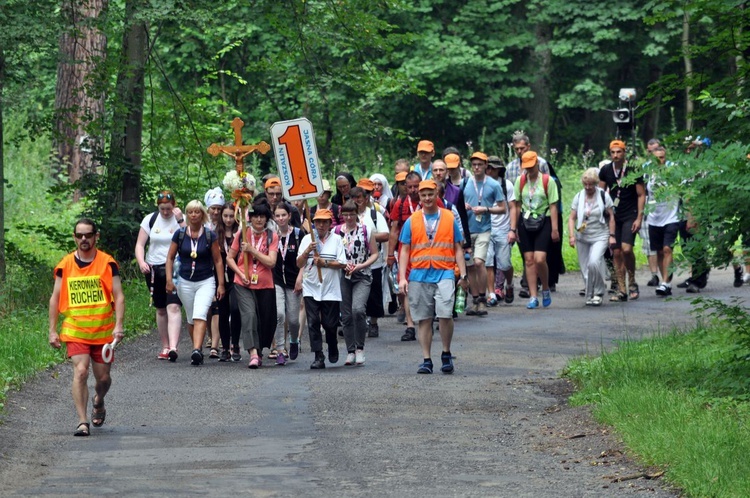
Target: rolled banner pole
(108, 351)
(312, 238)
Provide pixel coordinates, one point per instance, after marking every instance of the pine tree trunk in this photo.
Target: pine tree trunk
(124, 165)
(540, 65)
(79, 97)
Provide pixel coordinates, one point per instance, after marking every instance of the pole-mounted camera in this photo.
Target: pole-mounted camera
(624, 116)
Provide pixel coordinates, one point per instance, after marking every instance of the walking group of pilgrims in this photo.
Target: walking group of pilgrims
(434, 244)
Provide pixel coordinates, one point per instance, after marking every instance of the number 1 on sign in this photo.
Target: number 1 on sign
(292, 139)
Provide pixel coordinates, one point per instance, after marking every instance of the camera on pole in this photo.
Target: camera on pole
(624, 116)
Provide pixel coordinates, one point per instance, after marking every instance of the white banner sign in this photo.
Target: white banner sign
(297, 159)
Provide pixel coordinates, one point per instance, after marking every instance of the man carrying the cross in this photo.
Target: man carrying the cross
(321, 263)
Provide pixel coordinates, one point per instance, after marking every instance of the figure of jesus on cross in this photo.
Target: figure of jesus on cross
(239, 182)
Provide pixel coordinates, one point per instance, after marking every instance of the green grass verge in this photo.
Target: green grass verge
(677, 403)
(24, 345)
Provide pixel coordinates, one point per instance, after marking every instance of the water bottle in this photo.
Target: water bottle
(176, 272)
(460, 300)
(394, 277)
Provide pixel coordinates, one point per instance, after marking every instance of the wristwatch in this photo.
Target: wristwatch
(325, 263)
(462, 277)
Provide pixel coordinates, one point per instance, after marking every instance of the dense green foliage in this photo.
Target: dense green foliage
(679, 401)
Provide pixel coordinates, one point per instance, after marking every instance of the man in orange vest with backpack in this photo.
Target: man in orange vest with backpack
(88, 294)
(431, 245)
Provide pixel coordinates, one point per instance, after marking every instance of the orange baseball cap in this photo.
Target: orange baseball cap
(425, 146)
(323, 214)
(401, 176)
(479, 155)
(272, 182)
(528, 159)
(366, 184)
(427, 184)
(452, 160)
(617, 143)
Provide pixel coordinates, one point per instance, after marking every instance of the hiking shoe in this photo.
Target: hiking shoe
(654, 282)
(196, 357)
(738, 277)
(692, 289)
(533, 303)
(447, 360)
(173, 355)
(425, 367)
(224, 356)
(409, 335)
(524, 293)
(280, 360)
(359, 357)
(685, 284)
(509, 295)
(481, 307)
(374, 330)
(236, 356)
(319, 362)
(472, 310)
(349, 359)
(293, 350)
(546, 298)
(333, 353)
(664, 289)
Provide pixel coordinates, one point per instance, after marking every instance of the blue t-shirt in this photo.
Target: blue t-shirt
(428, 275)
(492, 193)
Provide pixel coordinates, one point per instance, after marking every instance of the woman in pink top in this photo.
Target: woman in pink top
(256, 296)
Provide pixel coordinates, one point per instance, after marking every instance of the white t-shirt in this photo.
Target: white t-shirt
(501, 222)
(330, 290)
(662, 213)
(382, 227)
(159, 237)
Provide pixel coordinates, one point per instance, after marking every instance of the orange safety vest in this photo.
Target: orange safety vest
(440, 253)
(86, 301)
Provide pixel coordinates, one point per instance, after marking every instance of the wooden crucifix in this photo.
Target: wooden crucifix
(238, 151)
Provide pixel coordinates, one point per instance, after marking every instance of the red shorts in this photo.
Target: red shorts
(94, 351)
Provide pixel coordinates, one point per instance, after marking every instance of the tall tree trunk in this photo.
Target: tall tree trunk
(540, 65)
(79, 97)
(124, 167)
(688, 62)
(2, 171)
(651, 123)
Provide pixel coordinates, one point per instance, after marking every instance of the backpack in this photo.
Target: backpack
(209, 237)
(545, 182)
(152, 220)
(338, 228)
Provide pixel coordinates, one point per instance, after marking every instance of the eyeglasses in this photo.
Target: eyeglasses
(89, 235)
(165, 195)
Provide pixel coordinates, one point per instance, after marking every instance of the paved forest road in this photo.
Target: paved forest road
(497, 427)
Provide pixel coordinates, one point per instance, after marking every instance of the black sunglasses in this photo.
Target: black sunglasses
(89, 235)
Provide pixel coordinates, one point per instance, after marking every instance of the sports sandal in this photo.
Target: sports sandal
(98, 413)
(214, 353)
(619, 297)
(634, 292)
(273, 354)
(82, 429)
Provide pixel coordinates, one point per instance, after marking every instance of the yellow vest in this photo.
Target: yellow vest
(86, 301)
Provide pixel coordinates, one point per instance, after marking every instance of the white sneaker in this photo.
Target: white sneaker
(349, 359)
(746, 277)
(360, 357)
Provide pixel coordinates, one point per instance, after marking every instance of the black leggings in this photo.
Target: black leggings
(228, 309)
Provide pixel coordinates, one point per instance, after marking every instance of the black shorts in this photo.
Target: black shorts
(538, 241)
(158, 287)
(662, 237)
(624, 231)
